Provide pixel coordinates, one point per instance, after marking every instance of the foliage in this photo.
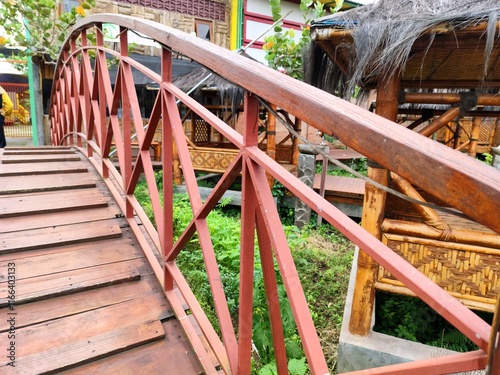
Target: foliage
(225, 234)
(359, 165)
(283, 51)
(411, 319)
(323, 258)
(287, 213)
(487, 158)
(37, 26)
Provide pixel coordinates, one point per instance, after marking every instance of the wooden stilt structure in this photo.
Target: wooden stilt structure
(373, 215)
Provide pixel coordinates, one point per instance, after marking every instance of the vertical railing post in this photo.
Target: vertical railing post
(167, 232)
(126, 121)
(245, 322)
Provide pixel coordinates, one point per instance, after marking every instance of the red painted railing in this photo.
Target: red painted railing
(85, 109)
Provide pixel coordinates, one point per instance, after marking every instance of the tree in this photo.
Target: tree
(283, 52)
(38, 28)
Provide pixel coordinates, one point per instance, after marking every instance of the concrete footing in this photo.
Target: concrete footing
(376, 349)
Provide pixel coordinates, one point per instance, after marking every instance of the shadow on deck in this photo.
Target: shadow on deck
(83, 298)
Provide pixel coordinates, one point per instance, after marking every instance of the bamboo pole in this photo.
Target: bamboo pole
(429, 215)
(465, 236)
(372, 217)
(176, 166)
(297, 126)
(271, 142)
(448, 98)
(474, 136)
(457, 135)
(441, 121)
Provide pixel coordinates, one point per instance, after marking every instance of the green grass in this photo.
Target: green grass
(323, 259)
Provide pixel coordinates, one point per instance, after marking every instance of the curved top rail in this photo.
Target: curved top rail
(462, 183)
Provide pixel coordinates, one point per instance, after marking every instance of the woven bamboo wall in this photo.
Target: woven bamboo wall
(486, 136)
(471, 273)
(212, 160)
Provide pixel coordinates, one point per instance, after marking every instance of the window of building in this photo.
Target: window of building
(204, 29)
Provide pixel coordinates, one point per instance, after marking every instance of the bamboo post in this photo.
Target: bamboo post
(297, 126)
(441, 121)
(271, 141)
(457, 135)
(176, 166)
(474, 136)
(372, 217)
(429, 215)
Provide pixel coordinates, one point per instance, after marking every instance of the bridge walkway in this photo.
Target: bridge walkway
(77, 295)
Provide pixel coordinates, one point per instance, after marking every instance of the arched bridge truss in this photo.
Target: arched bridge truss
(84, 111)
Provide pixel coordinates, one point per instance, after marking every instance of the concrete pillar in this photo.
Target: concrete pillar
(306, 169)
(495, 151)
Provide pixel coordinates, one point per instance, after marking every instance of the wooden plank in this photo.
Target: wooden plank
(71, 329)
(14, 159)
(62, 357)
(342, 154)
(51, 202)
(22, 148)
(41, 151)
(42, 220)
(43, 168)
(76, 303)
(40, 183)
(58, 235)
(107, 244)
(93, 255)
(47, 286)
(341, 185)
(171, 356)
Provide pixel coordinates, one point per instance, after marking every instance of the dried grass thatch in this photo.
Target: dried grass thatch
(383, 35)
(215, 83)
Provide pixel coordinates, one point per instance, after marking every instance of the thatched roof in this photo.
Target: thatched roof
(188, 81)
(436, 43)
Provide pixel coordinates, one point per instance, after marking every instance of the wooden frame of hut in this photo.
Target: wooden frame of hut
(210, 151)
(437, 63)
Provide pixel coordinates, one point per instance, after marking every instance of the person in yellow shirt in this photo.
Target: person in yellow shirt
(5, 110)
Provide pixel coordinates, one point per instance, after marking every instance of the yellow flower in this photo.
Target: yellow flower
(269, 45)
(2, 41)
(80, 10)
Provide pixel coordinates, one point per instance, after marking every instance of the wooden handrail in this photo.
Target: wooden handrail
(463, 183)
(78, 110)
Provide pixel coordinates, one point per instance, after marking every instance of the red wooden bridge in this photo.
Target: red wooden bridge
(97, 288)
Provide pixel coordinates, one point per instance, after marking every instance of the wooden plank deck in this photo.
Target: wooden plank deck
(346, 193)
(340, 186)
(77, 294)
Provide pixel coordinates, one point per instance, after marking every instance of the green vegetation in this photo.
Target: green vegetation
(323, 258)
(411, 319)
(283, 51)
(359, 165)
(39, 27)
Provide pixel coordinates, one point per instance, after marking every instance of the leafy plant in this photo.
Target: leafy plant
(38, 26)
(359, 165)
(487, 158)
(323, 259)
(412, 319)
(283, 51)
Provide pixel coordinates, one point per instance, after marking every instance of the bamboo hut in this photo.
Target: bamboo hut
(210, 151)
(436, 67)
